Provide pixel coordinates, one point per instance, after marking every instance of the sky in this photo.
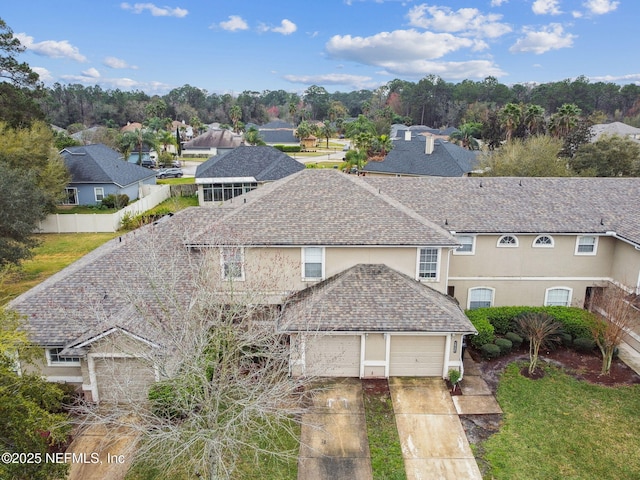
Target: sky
(342, 45)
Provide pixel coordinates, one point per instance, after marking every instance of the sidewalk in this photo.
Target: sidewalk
(477, 398)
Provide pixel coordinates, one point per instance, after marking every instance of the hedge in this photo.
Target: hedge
(288, 148)
(490, 321)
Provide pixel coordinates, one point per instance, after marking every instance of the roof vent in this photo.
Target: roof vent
(407, 135)
(429, 144)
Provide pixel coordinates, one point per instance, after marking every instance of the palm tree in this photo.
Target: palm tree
(166, 139)
(252, 137)
(135, 141)
(326, 131)
(235, 114)
(510, 117)
(534, 119)
(565, 119)
(466, 134)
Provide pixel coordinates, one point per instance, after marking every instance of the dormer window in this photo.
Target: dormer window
(508, 241)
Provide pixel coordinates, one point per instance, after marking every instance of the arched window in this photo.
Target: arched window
(543, 241)
(508, 241)
(480, 297)
(558, 296)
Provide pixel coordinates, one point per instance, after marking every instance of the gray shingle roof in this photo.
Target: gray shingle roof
(89, 296)
(215, 138)
(324, 207)
(100, 164)
(373, 298)
(521, 205)
(409, 158)
(262, 163)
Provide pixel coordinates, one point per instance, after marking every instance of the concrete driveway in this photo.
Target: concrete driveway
(434, 444)
(333, 443)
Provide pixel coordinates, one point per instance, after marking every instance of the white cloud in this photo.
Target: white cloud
(396, 46)
(51, 48)
(234, 24)
(551, 37)
(154, 10)
(630, 78)
(114, 62)
(43, 73)
(287, 27)
(600, 7)
(91, 72)
(467, 21)
(448, 70)
(357, 81)
(546, 7)
(498, 3)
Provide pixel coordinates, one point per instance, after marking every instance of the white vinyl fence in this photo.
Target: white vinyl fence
(100, 222)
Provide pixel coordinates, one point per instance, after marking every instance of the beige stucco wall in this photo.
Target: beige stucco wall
(625, 265)
(39, 365)
(525, 260)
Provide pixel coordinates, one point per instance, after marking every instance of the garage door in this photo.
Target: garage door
(415, 356)
(123, 380)
(333, 356)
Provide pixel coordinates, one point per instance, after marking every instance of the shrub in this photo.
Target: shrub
(516, 340)
(489, 351)
(504, 345)
(116, 201)
(163, 398)
(584, 344)
(288, 148)
(565, 339)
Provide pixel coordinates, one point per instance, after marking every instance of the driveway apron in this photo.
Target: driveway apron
(334, 442)
(434, 444)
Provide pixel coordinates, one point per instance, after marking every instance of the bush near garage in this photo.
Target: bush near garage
(492, 321)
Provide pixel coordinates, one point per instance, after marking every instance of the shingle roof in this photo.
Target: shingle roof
(100, 164)
(278, 136)
(88, 297)
(262, 163)
(409, 158)
(521, 205)
(614, 128)
(372, 298)
(215, 138)
(324, 207)
(276, 124)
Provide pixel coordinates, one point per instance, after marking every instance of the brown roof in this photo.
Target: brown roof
(373, 298)
(215, 138)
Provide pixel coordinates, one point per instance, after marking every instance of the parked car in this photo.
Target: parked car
(148, 163)
(169, 172)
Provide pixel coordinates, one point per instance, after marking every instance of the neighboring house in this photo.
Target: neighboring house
(97, 171)
(237, 172)
(372, 274)
(615, 128)
(423, 155)
(278, 133)
(212, 142)
(309, 142)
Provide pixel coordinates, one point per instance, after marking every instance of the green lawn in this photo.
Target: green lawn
(84, 209)
(561, 428)
(176, 181)
(56, 251)
(384, 442)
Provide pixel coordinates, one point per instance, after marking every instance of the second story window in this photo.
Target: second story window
(508, 241)
(467, 246)
(428, 263)
(586, 245)
(312, 263)
(232, 263)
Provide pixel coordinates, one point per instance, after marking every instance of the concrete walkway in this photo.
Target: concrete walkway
(334, 443)
(434, 444)
(476, 398)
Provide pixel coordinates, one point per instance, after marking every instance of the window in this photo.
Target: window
(312, 263)
(480, 297)
(508, 241)
(54, 358)
(586, 245)
(218, 192)
(468, 245)
(99, 193)
(543, 241)
(558, 296)
(232, 263)
(71, 196)
(428, 263)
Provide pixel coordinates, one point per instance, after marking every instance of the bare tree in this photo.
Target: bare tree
(618, 316)
(541, 330)
(224, 387)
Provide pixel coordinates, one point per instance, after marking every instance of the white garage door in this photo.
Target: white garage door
(416, 356)
(333, 356)
(123, 380)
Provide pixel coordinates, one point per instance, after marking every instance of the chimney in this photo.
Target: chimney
(407, 135)
(429, 144)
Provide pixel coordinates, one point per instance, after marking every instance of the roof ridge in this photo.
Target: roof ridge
(401, 207)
